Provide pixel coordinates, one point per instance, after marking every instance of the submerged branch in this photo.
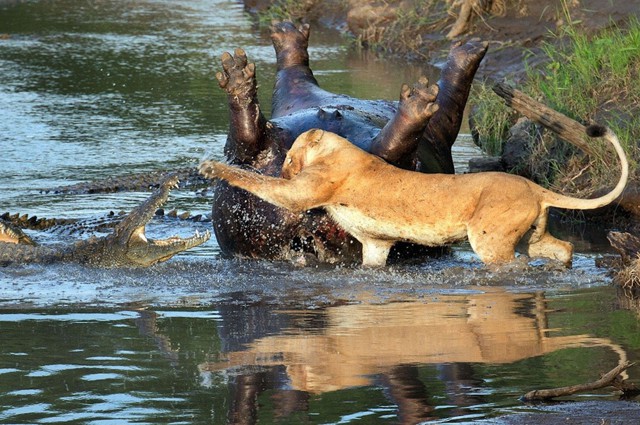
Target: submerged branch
(609, 379)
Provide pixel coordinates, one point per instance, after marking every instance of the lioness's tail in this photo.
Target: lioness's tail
(568, 202)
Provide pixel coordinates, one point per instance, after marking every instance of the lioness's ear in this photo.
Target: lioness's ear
(314, 136)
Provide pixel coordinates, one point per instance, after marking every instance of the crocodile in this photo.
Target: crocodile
(82, 226)
(126, 246)
(188, 178)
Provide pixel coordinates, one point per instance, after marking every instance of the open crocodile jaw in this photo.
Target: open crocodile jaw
(138, 251)
(145, 252)
(12, 234)
(126, 246)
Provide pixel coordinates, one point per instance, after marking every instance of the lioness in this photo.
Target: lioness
(380, 204)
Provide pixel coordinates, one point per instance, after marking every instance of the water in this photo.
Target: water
(90, 89)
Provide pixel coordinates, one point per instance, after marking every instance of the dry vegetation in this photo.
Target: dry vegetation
(593, 78)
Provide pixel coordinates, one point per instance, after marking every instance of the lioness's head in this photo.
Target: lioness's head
(308, 148)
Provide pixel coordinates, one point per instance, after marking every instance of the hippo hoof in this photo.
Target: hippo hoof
(237, 77)
(417, 102)
(286, 35)
(467, 55)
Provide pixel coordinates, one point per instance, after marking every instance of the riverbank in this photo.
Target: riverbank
(421, 30)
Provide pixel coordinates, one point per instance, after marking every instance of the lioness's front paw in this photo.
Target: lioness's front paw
(211, 169)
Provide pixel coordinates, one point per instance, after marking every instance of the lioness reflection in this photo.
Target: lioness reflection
(364, 344)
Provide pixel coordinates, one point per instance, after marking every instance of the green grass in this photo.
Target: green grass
(591, 79)
(492, 118)
(283, 10)
(582, 78)
(294, 10)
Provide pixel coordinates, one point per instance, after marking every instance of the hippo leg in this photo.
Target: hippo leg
(398, 140)
(247, 124)
(434, 149)
(295, 88)
(428, 129)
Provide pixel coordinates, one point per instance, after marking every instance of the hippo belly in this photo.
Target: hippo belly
(359, 127)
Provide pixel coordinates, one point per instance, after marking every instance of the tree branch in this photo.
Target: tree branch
(610, 378)
(570, 130)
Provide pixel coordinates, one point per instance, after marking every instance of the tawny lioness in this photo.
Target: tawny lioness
(380, 204)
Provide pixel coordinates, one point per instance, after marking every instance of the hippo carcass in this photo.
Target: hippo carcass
(410, 133)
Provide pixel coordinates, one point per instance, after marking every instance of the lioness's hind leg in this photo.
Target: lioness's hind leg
(497, 226)
(549, 247)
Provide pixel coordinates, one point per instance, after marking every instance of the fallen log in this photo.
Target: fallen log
(609, 379)
(565, 127)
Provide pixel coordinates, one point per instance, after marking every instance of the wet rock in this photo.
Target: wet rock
(630, 200)
(518, 148)
(479, 165)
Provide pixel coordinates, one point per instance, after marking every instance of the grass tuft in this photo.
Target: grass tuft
(290, 10)
(404, 34)
(492, 118)
(593, 79)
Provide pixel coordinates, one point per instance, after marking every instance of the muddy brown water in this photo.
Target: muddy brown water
(91, 89)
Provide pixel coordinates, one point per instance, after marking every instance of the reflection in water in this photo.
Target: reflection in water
(409, 393)
(359, 339)
(448, 356)
(359, 345)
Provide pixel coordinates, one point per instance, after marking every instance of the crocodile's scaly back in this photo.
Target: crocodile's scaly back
(29, 254)
(188, 176)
